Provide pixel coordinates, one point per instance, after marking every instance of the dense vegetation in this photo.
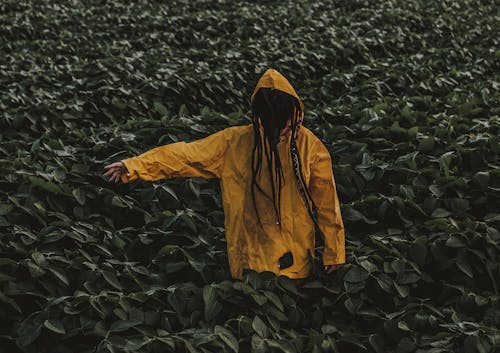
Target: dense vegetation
(405, 94)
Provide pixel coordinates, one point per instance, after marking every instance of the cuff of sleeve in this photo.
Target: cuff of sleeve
(332, 258)
(131, 173)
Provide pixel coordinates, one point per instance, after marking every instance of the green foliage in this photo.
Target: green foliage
(405, 94)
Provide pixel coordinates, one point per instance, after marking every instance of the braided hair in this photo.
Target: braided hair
(272, 109)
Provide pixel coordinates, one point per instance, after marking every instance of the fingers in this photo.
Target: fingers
(330, 268)
(110, 171)
(116, 176)
(114, 171)
(118, 164)
(112, 165)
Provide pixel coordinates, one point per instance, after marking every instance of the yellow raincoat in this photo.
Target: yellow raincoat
(226, 155)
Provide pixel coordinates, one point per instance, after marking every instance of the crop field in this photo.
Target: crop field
(405, 96)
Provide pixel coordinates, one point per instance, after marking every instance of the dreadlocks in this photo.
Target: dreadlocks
(272, 109)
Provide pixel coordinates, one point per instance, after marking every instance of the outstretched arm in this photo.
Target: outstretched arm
(324, 193)
(200, 158)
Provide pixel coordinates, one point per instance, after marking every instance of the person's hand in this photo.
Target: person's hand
(115, 170)
(330, 268)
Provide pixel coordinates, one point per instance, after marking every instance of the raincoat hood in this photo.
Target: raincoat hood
(274, 79)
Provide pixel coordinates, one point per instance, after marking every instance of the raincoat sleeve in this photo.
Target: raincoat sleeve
(200, 158)
(324, 193)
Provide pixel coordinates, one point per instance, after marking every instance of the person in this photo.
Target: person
(276, 180)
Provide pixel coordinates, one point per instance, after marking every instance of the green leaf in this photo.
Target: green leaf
(284, 345)
(353, 340)
(353, 215)
(259, 345)
(46, 185)
(356, 274)
(168, 249)
(160, 108)
(353, 305)
(440, 213)
(121, 202)
(260, 327)
(79, 196)
(459, 205)
(417, 253)
(60, 274)
(135, 344)
(403, 291)
(55, 326)
(10, 301)
(35, 270)
(328, 329)
(111, 278)
(427, 144)
(455, 242)
(100, 329)
(492, 217)
(212, 306)
(368, 266)
(39, 259)
(123, 325)
(470, 344)
(118, 242)
(169, 191)
(408, 277)
(28, 332)
(463, 265)
(385, 282)
(406, 344)
(195, 188)
(260, 299)
(274, 299)
(5, 208)
(227, 337)
(377, 343)
(482, 179)
(177, 301)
